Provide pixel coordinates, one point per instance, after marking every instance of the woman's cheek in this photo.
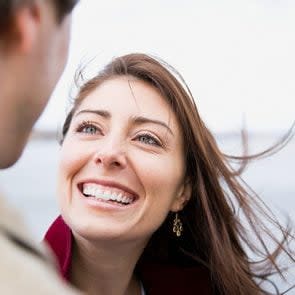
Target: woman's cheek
(73, 156)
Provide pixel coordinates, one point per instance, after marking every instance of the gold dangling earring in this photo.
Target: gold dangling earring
(177, 225)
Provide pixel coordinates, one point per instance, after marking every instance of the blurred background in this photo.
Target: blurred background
(238, 58)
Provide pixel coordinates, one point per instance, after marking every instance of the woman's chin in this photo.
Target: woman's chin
(101, 229)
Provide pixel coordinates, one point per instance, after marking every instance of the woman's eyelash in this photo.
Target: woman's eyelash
(90, 128)
(87, 127)
(147, 138)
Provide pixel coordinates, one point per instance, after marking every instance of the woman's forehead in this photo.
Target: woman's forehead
(129, 96)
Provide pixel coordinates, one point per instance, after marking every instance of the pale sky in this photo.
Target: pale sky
(238, 57)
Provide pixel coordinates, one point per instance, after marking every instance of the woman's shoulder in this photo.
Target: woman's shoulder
(161, 277)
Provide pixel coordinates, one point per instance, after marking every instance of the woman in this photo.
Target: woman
(148, 201)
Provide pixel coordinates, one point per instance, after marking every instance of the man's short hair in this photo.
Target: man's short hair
(8, 8)
(63, 7)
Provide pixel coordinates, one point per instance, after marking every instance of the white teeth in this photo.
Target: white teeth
(96, 192)
(92, 191)
(105, 194)
(86, 190)
(119, 197)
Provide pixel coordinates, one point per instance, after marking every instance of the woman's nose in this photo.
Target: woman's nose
(111, 154)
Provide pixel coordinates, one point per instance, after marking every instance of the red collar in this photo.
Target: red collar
(157, 278)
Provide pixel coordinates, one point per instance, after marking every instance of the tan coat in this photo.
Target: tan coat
(25, 266)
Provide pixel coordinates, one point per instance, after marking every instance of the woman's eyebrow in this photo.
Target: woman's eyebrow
(137, 120)
(101, 113)
(144, 120)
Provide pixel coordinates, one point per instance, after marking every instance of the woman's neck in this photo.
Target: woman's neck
(104, 268)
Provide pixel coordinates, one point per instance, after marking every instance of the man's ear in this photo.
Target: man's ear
(25, 29)
(183, 196)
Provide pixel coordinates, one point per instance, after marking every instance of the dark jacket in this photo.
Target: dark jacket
(157, 277)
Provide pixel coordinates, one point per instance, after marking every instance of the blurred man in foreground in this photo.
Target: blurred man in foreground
(34, 39)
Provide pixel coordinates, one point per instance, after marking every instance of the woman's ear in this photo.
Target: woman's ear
(182, 197)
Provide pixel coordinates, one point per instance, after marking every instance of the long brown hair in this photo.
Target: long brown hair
(226, 225)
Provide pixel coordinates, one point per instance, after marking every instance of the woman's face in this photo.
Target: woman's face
(122, 163)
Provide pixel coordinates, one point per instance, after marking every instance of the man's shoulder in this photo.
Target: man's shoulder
(12, 221)
(25, 265)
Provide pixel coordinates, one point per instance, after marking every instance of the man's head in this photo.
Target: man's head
(34, 39)
(8, 9)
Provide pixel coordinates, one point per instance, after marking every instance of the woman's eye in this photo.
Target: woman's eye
(88, 128)
(148, 139)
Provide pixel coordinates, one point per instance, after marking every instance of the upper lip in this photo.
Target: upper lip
(109, 183)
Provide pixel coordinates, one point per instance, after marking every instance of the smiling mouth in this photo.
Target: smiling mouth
(107, 194)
